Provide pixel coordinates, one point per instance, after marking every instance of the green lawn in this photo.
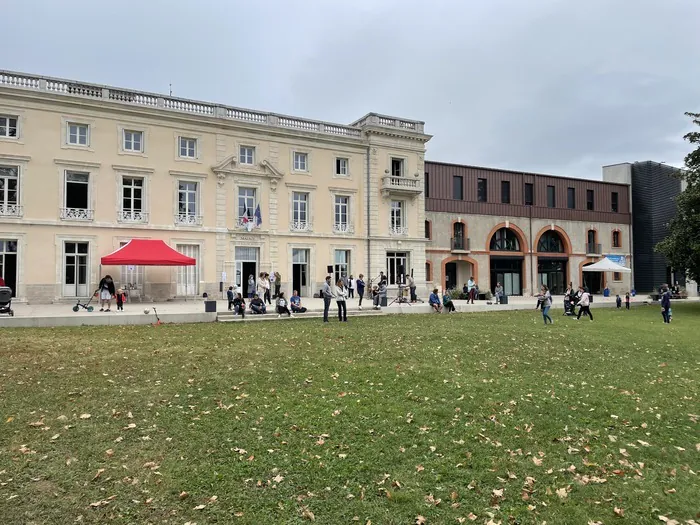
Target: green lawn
(469, 418)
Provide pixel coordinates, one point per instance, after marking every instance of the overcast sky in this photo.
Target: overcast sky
(553, 86)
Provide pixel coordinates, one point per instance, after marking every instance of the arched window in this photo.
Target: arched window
(458, 230)
(550, 242)
(505, 240)
(616, 239)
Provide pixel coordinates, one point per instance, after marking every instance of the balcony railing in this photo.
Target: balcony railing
(77, 214)
(69, 88)
(186, 219)
(593, 248)
(460, 243)
(342, 227)
(404, 185)
(300, 226)
(133, 216)
(246, 223)
(398, 230)
(10, 210)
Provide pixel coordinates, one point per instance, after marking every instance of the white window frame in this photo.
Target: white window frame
(392, 158)
(391, 260)
(132, 215)
(246, 155)
(8, 118)
(341, 269)
(251, 209)
(8, 209)
(297, 156)
(78, 126)
(125, 143)
(340, 226)
(187, 218)
(397, 218)
(339, 162)
(195, 152)
(77, 214)
(301, 207)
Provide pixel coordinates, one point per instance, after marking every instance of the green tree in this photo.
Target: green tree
(682, 246)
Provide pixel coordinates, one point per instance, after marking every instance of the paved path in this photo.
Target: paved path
(192, 311)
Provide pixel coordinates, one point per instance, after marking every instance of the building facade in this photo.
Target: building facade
(523, 229)
(85, 167)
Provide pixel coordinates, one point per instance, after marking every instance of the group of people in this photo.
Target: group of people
(106, 291)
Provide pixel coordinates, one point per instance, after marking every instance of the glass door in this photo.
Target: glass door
(188, 276)
(75, 269)
(300, 272)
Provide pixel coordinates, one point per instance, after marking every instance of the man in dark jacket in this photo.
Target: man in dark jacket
(327, 293)
(665, 303)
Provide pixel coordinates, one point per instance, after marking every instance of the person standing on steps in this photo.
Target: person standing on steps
(546, 299)
(229, 296)
(360, 282)
(327, 293)
(584, 303)
(251, 286)
(341, 294)
(278, 283)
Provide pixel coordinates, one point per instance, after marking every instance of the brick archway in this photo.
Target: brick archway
(522, 239)
(564, 237)
(465, 258)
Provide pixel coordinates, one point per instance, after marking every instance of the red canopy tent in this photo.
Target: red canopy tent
(147, 252)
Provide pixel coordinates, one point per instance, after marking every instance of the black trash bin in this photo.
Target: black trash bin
(504, 299)
(210, 306)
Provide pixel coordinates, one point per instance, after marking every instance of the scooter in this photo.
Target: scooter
(87, 305)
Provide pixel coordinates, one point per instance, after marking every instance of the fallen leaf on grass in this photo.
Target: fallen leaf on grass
(85, 416)
(472, 516)
(37, 424)
(562, 493)
(620, 513)
(184, 495)
(420, 520)
(536, 461)
(668, 521)
(99, 473)
(420, 468)
(595, 522)
(307, 514)
(199, 507)
(109, 453)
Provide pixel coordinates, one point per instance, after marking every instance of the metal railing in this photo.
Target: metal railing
(185, 219)
(460, 243)
(593, 248)
(132, 216)
(11, 210)
(77, 214)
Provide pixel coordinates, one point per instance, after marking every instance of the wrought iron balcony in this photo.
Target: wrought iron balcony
(10, 210)
(398, 230)
(247, 223)
(77, 214)
(299, 226)
(133, 216)
(185, 219)
(343, 227)
(593, 248)
(460, 244)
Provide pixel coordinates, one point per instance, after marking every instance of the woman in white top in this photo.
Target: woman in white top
(341, 293)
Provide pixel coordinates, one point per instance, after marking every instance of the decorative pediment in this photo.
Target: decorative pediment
(231, 166)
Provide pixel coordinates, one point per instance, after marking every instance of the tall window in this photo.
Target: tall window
(616, 239)
(76, 199)
(551, 197)
(529, 194)
(341, 267)
(188, 148)
(300, 211)
(591, 242)
(505, 240)
(397, 223)
(341, 167)
(78, 134)
(246, 203)
(342, 207)
(571, 198)
(481, 190)
(426, 186)
(590, 203)
(614, 201)
(301, 161)
(246, 155)
(397, 167)
(428, 228)
(396, 267)
(8, 126)
(550, 242)
(458, 241)
(132, 199)
(133, 141)
(187, 205)
(505, 192)
(9, 191)
(457, 187)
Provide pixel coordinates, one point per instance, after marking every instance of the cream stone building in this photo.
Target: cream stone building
(85, 167)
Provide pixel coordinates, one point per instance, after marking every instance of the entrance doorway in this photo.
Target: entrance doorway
(8, 264)
(300, 271)
(450, 276)
(507, 271)
(246, 265)
(593, 281)
(188, 276)
(552, 273)
(75, 269)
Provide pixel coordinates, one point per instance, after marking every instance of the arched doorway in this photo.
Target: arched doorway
(592, 282)
(506, 249)
(456, 271)
(552, 261)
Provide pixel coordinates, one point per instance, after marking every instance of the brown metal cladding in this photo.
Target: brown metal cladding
(441, 200)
